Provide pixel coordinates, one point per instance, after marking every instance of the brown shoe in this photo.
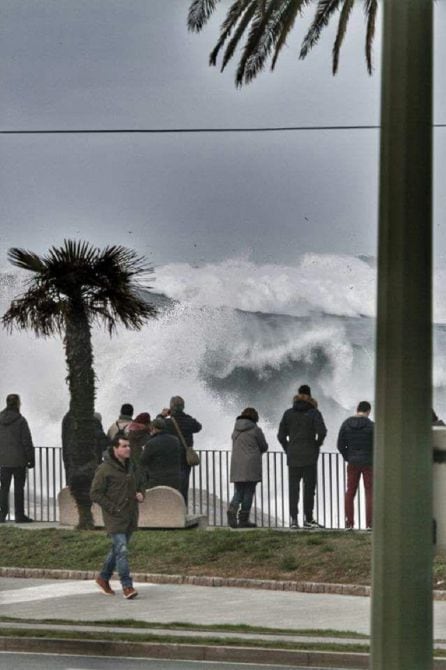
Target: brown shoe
(105, 587)
(129, 592)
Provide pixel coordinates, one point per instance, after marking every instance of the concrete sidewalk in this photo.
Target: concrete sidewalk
(81, 600)
(164, 603)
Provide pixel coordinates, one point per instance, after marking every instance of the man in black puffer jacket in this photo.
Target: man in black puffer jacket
(301, 433)
(355, 443)
(176, 417)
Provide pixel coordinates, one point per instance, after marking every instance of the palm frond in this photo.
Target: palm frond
(324, 10)
(234, 13)
(103, 283)
(26, 260)
(371, 10)
(342, 27)
(36, 310)
(199, 13)
(233, 43)
(286, 24)
(259, 42)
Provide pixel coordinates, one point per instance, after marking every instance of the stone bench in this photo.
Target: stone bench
(163, 507)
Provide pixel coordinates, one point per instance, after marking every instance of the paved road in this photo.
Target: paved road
(55, 662)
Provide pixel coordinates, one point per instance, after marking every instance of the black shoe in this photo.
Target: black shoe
(293, 524)
(312, 523)
(244, 522)
(232, 513)
(24, 519)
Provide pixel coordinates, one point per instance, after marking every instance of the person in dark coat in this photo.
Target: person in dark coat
(100, 445)
(102, 442)
(139, 432)
(355, 444)
(301, 433)
(16, 454)
(115, 488)
(161, 458)
(188, 426)
(248, 445)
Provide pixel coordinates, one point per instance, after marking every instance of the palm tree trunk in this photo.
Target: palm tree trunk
(79, 457)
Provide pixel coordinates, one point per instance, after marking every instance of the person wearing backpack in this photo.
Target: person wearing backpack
(121, 424)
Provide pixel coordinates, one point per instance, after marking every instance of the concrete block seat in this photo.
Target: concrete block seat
(163, 507)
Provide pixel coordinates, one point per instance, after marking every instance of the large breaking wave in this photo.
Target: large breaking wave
(229, 335)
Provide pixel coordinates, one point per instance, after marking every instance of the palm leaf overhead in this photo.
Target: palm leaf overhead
(342, 27)
(199, 13)
(265, 26)
(371, 10)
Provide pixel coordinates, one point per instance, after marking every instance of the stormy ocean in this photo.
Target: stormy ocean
(229, 335)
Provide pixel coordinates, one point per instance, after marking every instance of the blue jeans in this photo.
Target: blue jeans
(243, 495)
(118, 558)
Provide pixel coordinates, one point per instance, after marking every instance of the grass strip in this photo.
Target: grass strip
(174, 625)
(260, 554)
(172, 639)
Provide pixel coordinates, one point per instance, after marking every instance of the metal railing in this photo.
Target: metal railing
(210, 489)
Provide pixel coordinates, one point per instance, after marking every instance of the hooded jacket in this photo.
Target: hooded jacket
(16, 445)
(248, 445)
(302, 432)
(114, 488)
(355, 440)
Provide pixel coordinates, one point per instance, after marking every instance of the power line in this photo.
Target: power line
(117, 131)
(155, 131)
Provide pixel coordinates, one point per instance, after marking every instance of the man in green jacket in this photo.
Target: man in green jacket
(117, 490)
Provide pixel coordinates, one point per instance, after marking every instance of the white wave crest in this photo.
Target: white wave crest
(339, 285)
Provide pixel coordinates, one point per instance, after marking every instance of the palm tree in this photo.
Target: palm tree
(267, 23)
(72, 288)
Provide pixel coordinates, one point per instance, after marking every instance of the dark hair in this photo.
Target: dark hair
(117, 438)
(364, 406)
(159, 423)
(250, 413)
(304, 389)
(177, 403)
(127, 409)
(12, 401)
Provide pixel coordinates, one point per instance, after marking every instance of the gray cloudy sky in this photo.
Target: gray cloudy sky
(132, 64)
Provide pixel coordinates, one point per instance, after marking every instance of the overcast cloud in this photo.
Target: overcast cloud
(76, 64)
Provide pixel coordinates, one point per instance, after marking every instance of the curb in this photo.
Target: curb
(155, 578)
(189, 652)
